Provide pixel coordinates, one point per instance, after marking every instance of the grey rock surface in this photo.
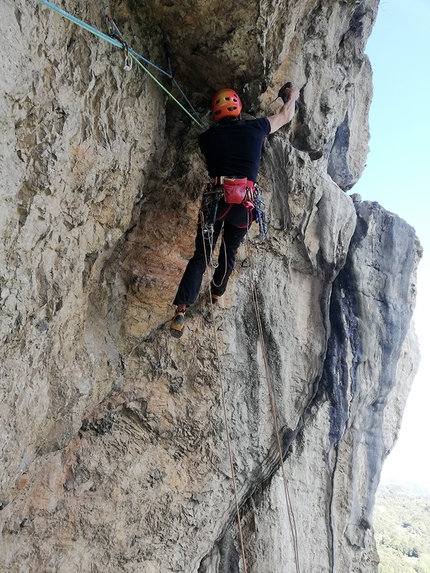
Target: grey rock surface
(114, 450)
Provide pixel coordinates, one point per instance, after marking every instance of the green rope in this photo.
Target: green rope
(118, 44)
(166, 90)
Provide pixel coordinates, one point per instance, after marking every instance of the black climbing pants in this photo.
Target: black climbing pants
(191, 281)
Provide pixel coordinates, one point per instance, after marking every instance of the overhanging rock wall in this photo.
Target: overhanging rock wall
(113, 444)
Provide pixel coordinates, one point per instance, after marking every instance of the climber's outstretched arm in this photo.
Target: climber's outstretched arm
(287, 111)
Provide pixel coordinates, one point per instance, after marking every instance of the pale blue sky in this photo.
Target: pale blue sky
(397, 176)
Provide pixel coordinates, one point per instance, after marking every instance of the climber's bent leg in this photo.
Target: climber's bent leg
(191, 281)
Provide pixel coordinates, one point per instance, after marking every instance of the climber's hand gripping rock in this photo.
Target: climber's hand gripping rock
(289, 95)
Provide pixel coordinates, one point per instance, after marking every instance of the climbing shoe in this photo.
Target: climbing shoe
(178, 323)
(215, 298)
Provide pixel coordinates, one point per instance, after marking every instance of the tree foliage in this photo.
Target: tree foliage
(402, 531)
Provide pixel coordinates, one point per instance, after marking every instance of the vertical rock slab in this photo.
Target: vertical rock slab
(350, 425)
(371, 361)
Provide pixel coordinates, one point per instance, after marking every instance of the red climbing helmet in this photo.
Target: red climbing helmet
(226, 103)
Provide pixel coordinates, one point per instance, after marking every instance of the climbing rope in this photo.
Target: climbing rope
(223, 400)
(290, 511)
(116, 40)
(215, 265)
(273, 408)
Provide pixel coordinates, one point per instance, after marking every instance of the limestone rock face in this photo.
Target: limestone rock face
(123, 449)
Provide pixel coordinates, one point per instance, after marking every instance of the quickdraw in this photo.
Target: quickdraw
(117, 40)
(260, 216)
(209, 206)
(114, 32)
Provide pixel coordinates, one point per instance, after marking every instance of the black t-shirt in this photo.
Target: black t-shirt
(234, 148)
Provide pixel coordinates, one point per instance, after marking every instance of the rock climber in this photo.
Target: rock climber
(232, 150)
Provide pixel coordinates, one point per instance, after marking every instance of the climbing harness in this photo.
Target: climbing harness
(234, 191)
(130, 54)
(246, 193)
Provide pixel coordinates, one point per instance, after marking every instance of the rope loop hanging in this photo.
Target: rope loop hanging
(224, 409)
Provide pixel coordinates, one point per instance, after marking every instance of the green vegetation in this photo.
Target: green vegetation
(402, 530)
